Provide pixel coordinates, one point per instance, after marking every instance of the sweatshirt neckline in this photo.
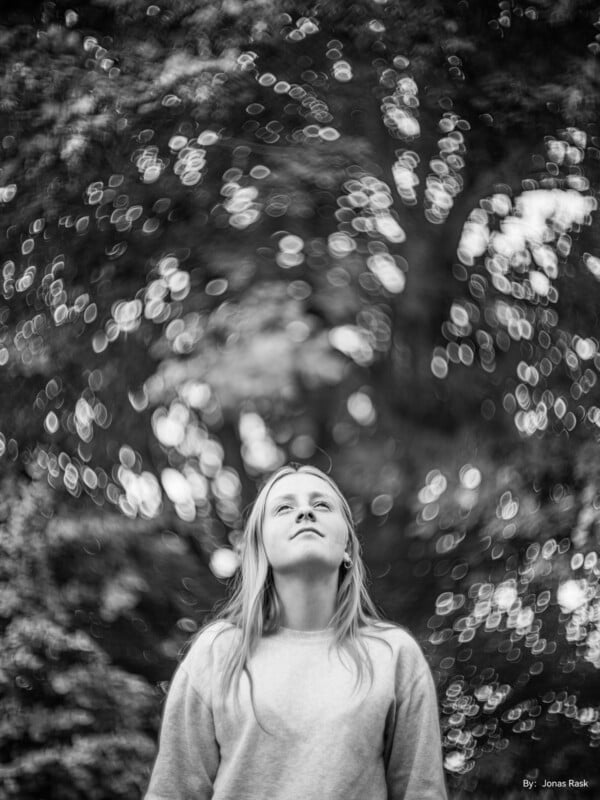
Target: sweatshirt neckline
(312, 636)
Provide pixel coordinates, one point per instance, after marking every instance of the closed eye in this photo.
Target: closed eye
(322, 504)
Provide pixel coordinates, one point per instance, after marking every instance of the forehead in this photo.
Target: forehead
(300, 483)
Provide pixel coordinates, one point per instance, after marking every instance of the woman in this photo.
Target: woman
(299, 691)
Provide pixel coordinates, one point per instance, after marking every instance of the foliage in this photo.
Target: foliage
(73, 724)
(242, 233)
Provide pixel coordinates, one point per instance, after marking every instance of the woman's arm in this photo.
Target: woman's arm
(188, 754)
(414, 768)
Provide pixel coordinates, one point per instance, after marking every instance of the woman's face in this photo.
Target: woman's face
(304, 526)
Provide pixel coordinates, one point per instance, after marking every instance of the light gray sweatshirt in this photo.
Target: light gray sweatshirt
(316, 737)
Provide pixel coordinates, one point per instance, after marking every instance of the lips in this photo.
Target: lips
(307, 530)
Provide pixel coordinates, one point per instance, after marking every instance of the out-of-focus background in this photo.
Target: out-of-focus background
(361, 235)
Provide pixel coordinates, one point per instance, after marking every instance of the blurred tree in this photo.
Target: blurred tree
(73, 725)
(242, 233)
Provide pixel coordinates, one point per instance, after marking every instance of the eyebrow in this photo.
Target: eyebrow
(284, 497)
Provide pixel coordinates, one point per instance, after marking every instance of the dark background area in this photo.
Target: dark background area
(360, 235)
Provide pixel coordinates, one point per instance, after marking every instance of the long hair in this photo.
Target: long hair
(254, 608)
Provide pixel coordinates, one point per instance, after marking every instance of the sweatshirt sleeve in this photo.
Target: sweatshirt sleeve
(188, 753)
(414, 769)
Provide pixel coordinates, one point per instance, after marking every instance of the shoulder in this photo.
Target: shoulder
(403, 647)
(210, 644)
(396, 635)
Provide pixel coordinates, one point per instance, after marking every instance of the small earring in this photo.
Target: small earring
(347, 560)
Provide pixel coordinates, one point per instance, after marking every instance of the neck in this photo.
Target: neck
(306, 604)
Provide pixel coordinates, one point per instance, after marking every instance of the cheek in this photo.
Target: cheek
(342, 534)
(266, 543)
(270, 541)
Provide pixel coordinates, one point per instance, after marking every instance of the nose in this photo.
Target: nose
(305, 513)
